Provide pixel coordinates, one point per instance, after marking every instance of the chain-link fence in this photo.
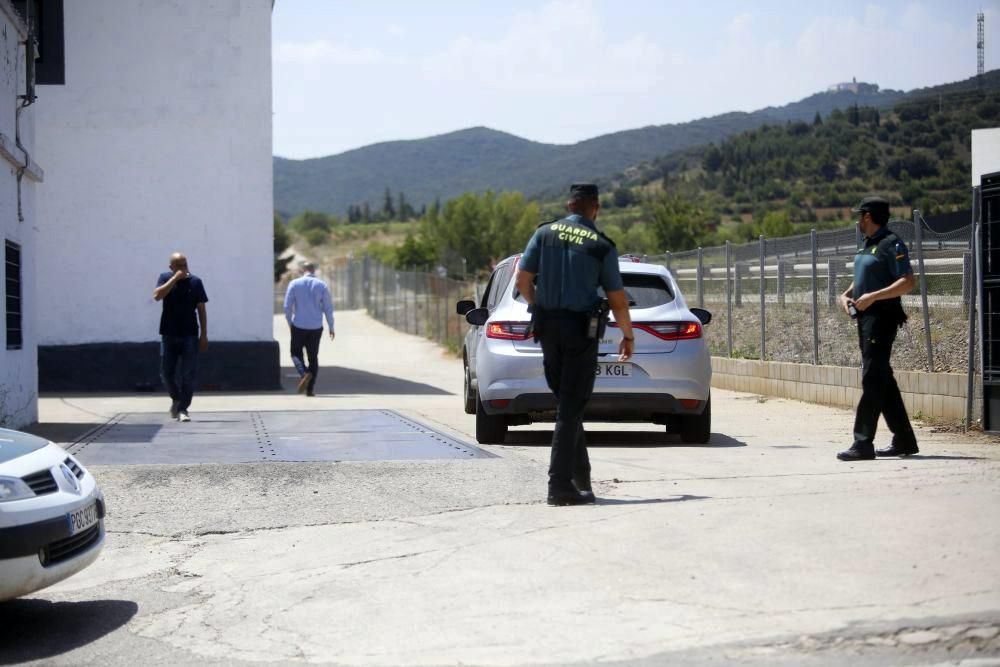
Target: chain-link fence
(774, 300)
(777, 299)
(419, 303)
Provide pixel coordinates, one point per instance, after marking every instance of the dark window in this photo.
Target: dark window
(12, 279)
(45, 19)
(646, 290)
(500, 280)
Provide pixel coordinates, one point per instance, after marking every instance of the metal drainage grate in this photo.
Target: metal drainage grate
(246, 437)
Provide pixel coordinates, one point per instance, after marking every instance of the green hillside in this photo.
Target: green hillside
(479, 159)
(917, 153)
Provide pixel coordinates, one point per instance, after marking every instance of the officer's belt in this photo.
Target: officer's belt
(563, 314)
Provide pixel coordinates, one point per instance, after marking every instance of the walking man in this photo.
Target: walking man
(571, 258)
(182, 294)
(882, 275)
(307, 301)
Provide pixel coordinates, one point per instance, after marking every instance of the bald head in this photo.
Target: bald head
(178, 262)
(308, 267)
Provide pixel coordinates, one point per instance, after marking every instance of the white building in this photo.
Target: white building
(18, 227)
(158, 141)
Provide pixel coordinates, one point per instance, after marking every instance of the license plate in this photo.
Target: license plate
(82, 519)
(614, 370)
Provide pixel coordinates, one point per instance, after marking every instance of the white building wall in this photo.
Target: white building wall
(18, 368)
(159, 141)
(985, 153)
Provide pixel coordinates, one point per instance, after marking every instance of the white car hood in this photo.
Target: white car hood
(14, 444)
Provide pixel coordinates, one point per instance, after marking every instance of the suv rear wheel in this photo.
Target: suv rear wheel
(697, 429)
(490, 429)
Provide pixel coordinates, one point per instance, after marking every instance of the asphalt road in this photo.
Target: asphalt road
(759, 548)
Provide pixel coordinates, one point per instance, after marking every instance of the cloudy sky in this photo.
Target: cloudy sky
(349, 73)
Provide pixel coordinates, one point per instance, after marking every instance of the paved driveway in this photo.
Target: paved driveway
(758, 548)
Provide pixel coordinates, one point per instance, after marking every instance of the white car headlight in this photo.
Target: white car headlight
(13, 488)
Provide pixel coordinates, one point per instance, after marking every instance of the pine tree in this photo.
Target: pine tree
(388, 210)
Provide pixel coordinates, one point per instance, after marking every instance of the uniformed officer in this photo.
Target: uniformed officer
(571, 258)
(882, 275)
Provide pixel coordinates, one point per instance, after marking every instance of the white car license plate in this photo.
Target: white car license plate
(82, 519)
(614, 370)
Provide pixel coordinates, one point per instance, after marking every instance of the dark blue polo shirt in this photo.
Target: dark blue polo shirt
(571, 259)
(179, 316)
(878, 265)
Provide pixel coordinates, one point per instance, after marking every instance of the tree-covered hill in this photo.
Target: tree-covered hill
(479, 159)
(917, 153)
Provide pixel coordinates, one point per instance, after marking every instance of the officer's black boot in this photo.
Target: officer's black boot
(857, 453)
(897, 448)
(582, 483)
(567, 494)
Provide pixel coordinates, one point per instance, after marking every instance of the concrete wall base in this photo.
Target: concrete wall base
(940, 395)
(120, 367)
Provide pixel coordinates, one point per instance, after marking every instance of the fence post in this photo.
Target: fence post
(831, 282)
(413, 290)
(781, 283)
(738, 283)
(966, 277)
(763, 290)
(729, 302)
(918, 224)
(970, 385)
(857, 236)
(698, 278)
(815, 305)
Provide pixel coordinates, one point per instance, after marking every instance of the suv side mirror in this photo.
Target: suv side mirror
(701, 314)
(477, 316)
(464, 306)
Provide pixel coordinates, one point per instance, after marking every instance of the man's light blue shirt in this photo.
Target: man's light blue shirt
(307, 301)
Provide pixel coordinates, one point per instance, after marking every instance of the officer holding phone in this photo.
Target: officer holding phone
(882, 275)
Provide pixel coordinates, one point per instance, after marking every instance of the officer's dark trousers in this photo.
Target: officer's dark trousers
(570, 361)
(879, 391)
(308, 339)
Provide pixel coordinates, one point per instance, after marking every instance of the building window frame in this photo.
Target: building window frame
(13, 299)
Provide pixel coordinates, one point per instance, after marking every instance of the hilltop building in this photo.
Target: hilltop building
(853, 87)
(155, 135)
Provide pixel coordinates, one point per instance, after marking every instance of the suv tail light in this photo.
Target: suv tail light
(508, 330)
(670, 330)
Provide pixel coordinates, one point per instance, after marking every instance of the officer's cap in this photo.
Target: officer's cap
(877, 206)
(583, 190)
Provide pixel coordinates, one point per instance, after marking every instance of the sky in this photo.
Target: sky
(350, 73)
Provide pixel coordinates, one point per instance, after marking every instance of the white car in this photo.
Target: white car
(668, 380)
(51, 514)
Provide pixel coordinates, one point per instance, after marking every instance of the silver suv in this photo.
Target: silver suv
(667, 381)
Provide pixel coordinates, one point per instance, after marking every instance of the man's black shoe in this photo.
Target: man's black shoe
(582, 485)
(898, 450)
(571, 497)
(856, 454)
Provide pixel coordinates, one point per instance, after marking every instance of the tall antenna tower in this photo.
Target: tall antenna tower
(980, 43)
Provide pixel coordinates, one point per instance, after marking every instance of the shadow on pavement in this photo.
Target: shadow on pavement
(339, 381)
(622, 439)
(649, 501)
(39, 629)
(62, 433)
(936, 457)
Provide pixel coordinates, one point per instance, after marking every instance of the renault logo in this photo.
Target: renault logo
(74, 483)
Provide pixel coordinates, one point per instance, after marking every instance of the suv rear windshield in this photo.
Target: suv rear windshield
(644, 290)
